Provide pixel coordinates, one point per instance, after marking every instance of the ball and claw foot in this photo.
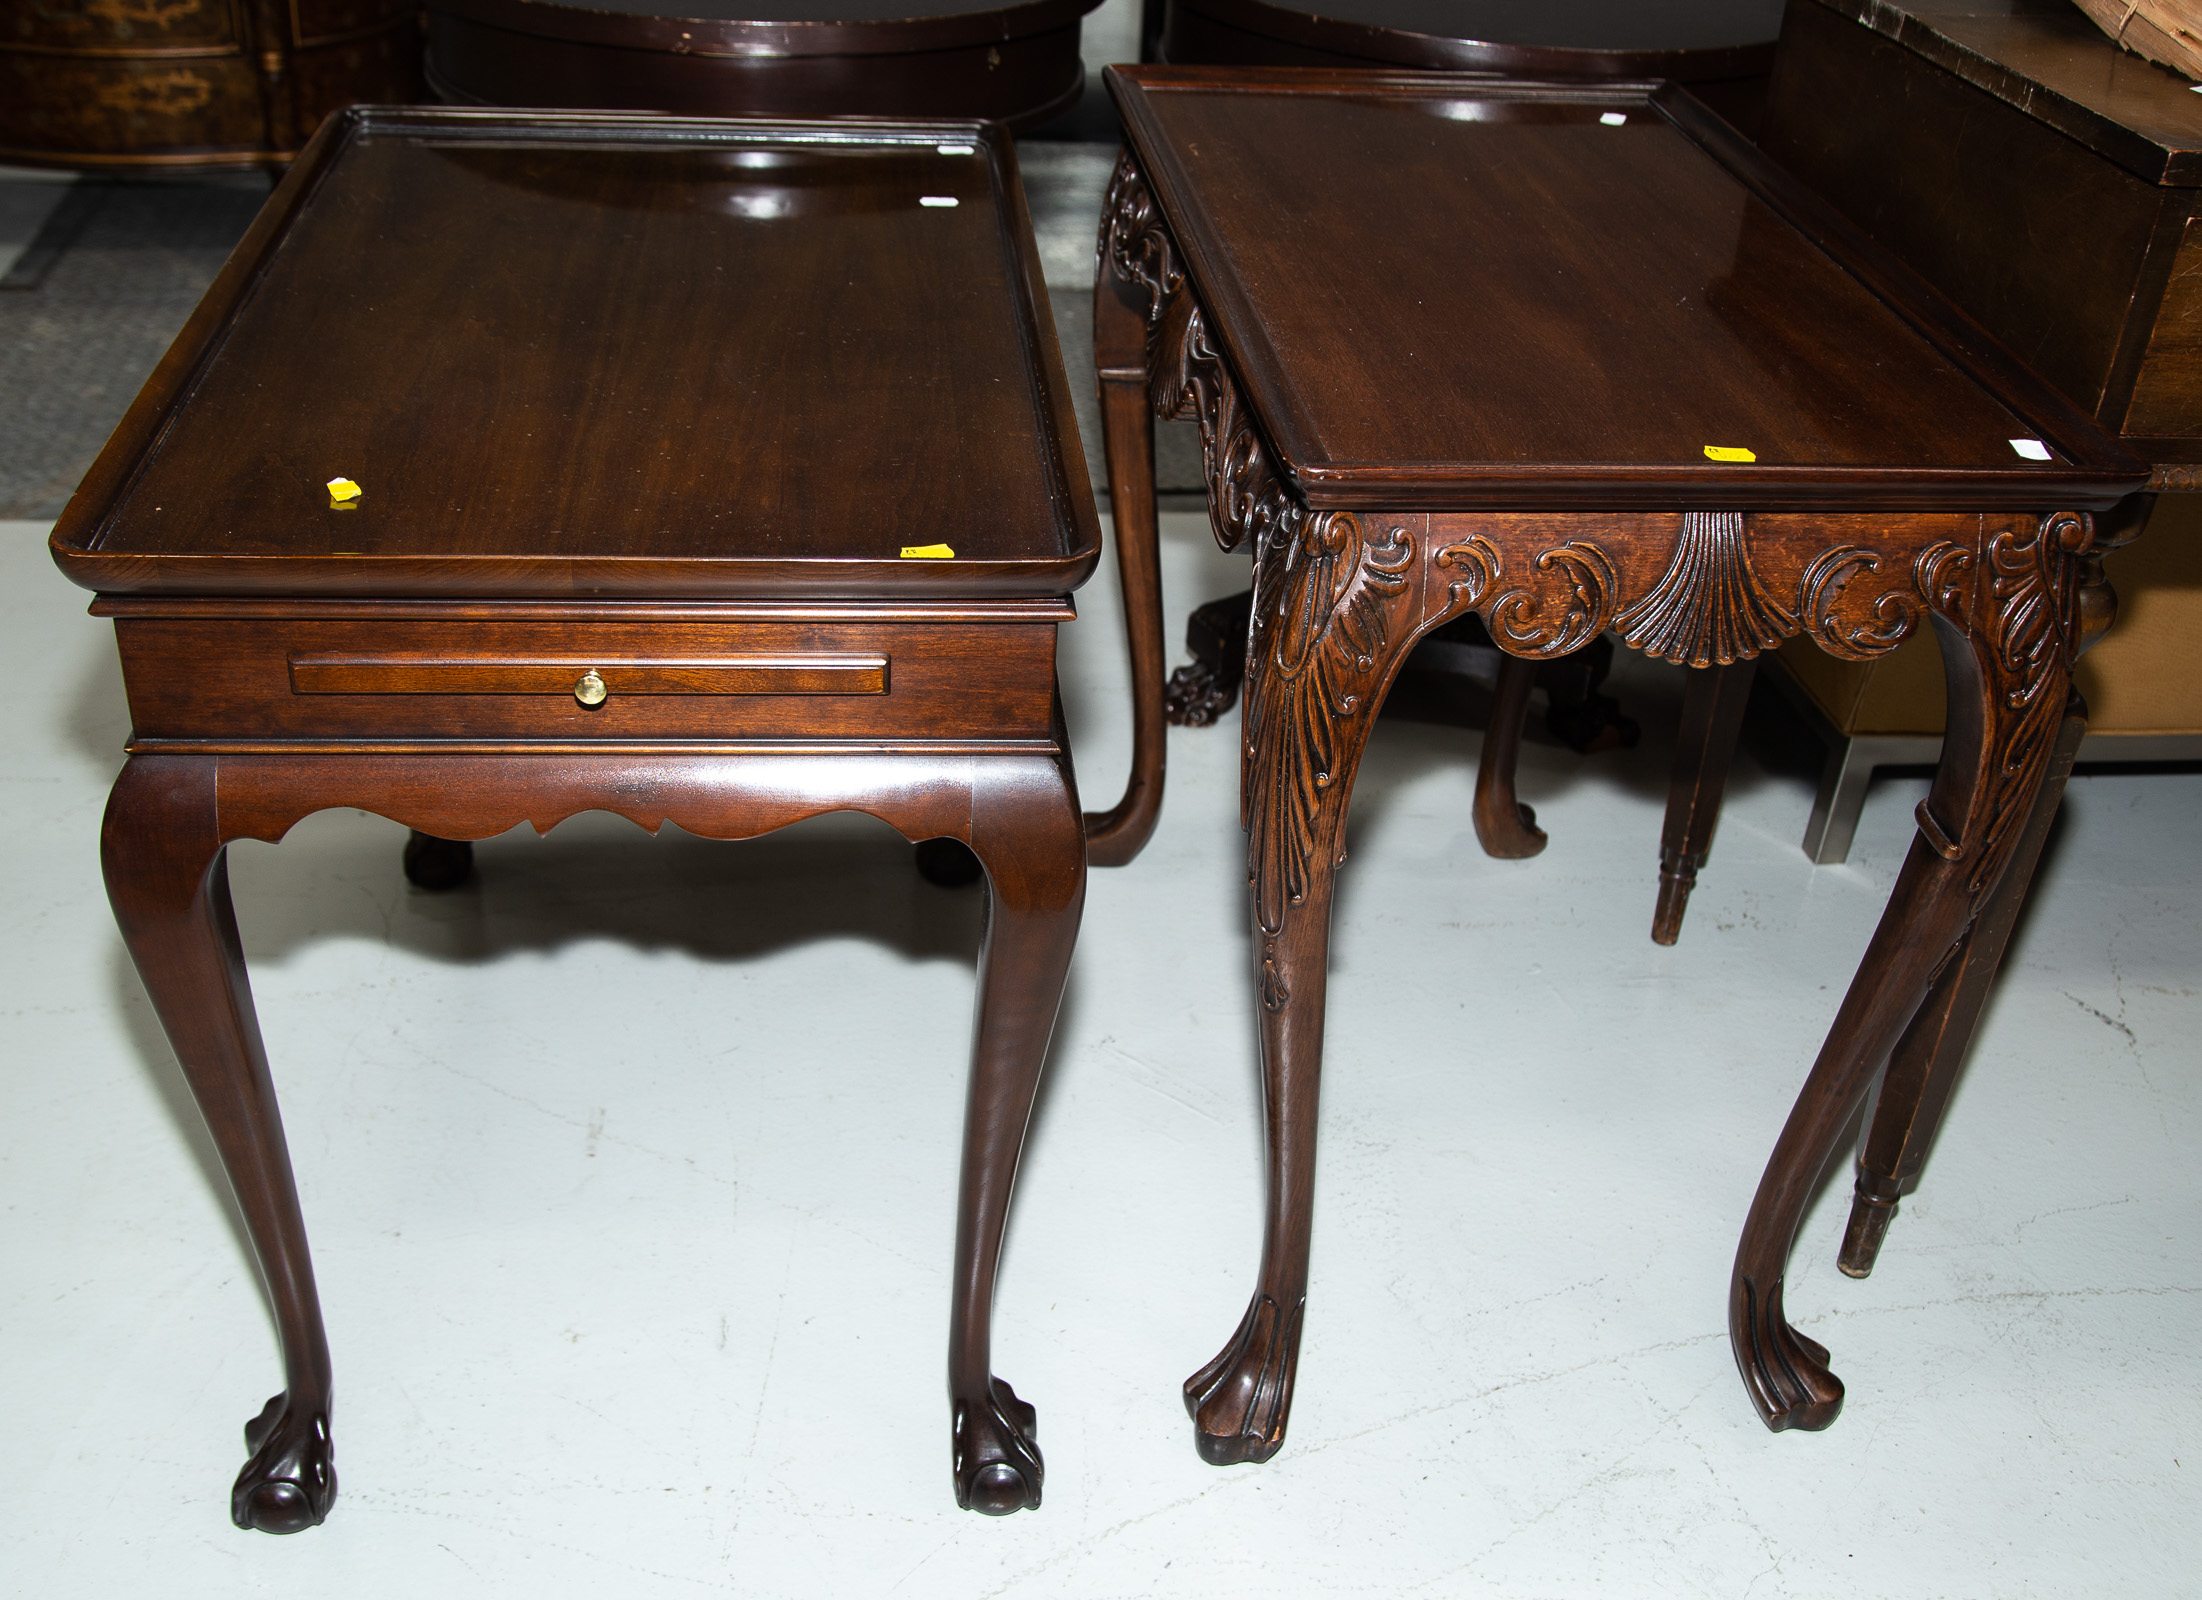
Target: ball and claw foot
(947, 863)
(437, 864)
(290, 1482)
(1196, 696)
(998, 1466)
(1241, 1401)
(1785, 1372)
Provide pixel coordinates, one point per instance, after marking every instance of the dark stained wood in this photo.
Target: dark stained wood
(1114, 837)
(1712, 717)
(1975, 144)
(2048, 61)
(166, 85)
(1873, 389)
(1504, 826)
(1016, 62)
(1267, 324)
(507, 449)
(1519, 38)
(503, 408)
(1905, 1108)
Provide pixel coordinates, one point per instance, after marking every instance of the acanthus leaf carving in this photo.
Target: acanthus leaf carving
(1330, 600)
(2030, 577)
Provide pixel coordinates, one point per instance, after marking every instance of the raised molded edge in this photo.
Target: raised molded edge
(85, 521)
(2093, 471)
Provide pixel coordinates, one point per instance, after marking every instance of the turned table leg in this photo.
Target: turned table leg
(1026, 829)
(2007, 669)
(161, 851)
(1712, 718)
(1906, 1107)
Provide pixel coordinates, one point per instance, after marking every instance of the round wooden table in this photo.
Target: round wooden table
(1017, 62)
(1722, 49)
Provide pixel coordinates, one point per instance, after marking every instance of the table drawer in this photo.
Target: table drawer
(590, 679)
(238, 679)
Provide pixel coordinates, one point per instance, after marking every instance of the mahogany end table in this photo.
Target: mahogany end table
(711, 473)
(1575, 357)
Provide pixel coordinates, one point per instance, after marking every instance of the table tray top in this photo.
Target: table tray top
(609, 355)
(1447, 293)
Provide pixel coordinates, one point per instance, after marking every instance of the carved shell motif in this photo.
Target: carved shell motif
(1709, 608)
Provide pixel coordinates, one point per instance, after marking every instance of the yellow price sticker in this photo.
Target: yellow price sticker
(927, 552)
(342, 490)
(1729, 452)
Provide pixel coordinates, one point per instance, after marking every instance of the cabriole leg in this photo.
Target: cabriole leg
(1333, 614)
(161, 851)
(1115, 836)
(1504, 826)
(2008, 677)
(1026, 829)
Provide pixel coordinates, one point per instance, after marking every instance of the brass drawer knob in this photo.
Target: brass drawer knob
(590, 689)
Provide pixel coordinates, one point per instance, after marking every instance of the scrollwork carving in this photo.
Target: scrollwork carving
(1562, 604)
(1942, 573)
(1850, 619)
(2030, 573)
(1134, 241)
(1246, 497)
(1477, 561)
(1709, 608)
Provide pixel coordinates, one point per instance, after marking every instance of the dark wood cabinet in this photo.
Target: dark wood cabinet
(2046, 181)
(179, 84)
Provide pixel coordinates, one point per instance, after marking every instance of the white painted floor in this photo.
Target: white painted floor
(630, 1175)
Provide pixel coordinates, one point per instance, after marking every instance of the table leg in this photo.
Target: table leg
(161, 849)
(1906, 1107)
(1334, 613)
(2007, 693)
(437, 864)
(1504, 826)
(1712, 717)
(1025, 827)
(1115, 836)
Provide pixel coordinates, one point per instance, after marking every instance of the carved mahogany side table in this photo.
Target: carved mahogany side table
(1574, 357)
(711, 473)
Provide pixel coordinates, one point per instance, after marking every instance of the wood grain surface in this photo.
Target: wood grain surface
(651, 357)
(1644, 289)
